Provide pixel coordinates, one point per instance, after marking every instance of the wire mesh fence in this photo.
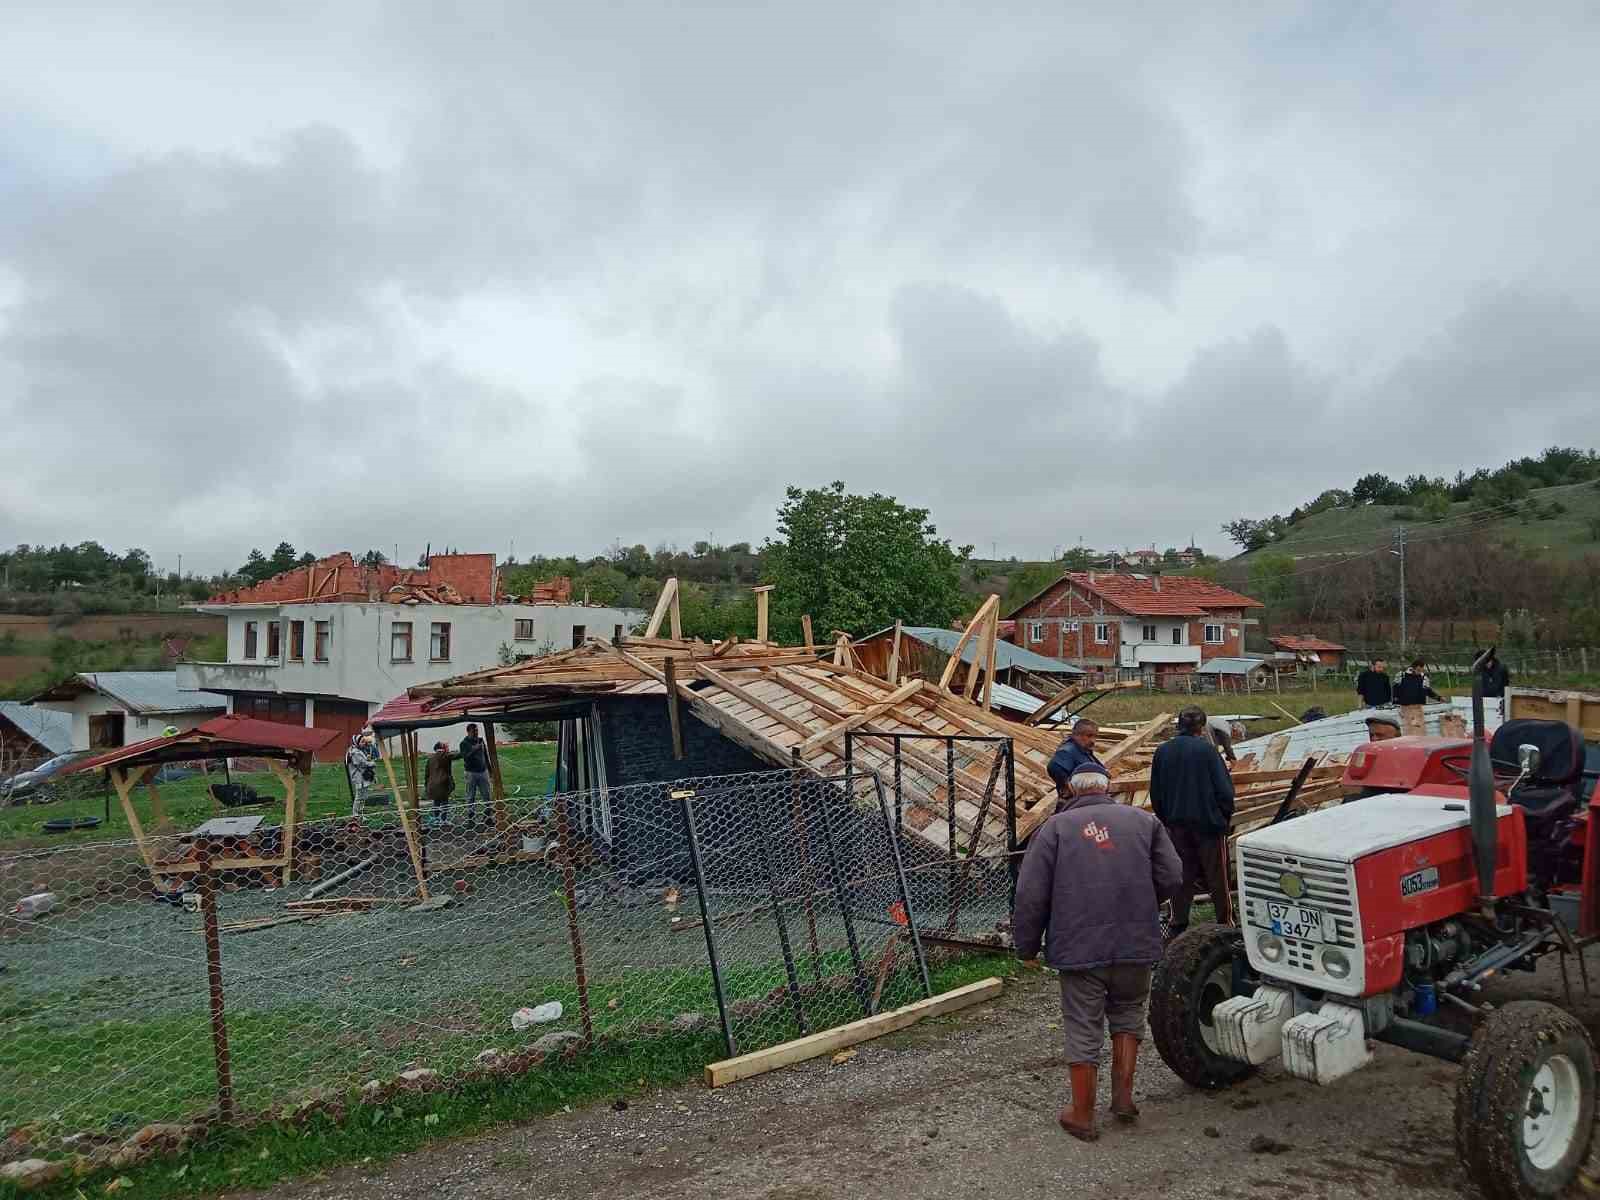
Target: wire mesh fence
(201, 976)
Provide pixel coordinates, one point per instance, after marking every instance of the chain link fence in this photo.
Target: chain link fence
(203, 978)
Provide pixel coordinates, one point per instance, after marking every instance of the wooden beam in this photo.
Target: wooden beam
(501, 821)
(717, 679)
(667, 600)
(763, 598)
(991, 638)
(720, 1074)
(286, 777)
(966, 636)
(1144, 733)
(124, 786)
(805, 628)
(413, 846)
(841, 648)
(674, 716)
(894, 656)
(838, 729)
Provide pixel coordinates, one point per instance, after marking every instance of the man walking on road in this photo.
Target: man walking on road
(1094, 876)
(475, 765)
(1373, 685)
(1192, 793)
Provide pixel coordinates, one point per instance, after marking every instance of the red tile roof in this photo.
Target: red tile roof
(1160, 595)
(447, 579)
(221, 736)
(1295, 641)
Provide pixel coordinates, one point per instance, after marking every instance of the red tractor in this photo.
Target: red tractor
(1454, 861)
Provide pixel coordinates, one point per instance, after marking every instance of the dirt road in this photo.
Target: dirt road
(964, 1106)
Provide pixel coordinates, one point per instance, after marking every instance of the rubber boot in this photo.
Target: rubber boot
(1078, 1119)
(1124, 1061)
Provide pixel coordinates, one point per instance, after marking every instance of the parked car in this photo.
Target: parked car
(42, 784)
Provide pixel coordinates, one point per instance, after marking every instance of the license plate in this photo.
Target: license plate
(1296, 921)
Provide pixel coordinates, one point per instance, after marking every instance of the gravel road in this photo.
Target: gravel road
(963, 1106)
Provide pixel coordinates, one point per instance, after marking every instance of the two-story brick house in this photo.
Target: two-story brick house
(325, 645)
(1127, 624)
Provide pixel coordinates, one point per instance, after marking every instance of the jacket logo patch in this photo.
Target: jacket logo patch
(1098, 834)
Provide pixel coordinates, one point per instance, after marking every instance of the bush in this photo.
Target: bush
(531, 731)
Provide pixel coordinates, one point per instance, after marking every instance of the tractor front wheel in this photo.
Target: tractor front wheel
(1194, 976)
(1525, 1102)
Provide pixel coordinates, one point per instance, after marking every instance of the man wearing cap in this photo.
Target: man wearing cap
(1381, 727)
(1094, 877)
(1192, 792)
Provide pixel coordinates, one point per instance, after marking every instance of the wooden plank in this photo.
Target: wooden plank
(717, 679)
(674, 715)
(123, 786)
(286, 777)
(413, 847)
(1145, 732)
(805, 628)
(894, 655)
(731, 1070)
(502, 821)
(966, 636)
(872, 712)
(763, 599)
(665, 601)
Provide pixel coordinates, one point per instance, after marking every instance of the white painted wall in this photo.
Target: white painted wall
(94, 704)
(360, 664)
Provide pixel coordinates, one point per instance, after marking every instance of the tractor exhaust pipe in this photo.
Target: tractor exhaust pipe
(1480, 793)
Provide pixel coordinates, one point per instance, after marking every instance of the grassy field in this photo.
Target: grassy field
(526, 768)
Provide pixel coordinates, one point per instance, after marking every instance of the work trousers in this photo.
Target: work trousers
(360, 788)
(477, 781)
(1204, 857)
(1099, 997)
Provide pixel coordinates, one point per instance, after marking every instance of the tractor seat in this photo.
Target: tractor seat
(1551, 791)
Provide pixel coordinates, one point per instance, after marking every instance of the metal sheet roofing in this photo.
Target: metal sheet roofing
(1006, 655)
(223, 736)
(51, 729)
(1229, 666)
(150, 692)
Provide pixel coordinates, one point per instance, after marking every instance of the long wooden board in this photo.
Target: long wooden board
(759, 1062)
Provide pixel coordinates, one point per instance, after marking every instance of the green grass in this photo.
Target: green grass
(259, 1157)
(527, 766)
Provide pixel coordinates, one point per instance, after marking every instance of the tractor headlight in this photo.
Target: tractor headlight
(1271, 947)
(1336, 963)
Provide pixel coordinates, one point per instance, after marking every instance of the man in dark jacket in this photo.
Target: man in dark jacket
(1094, 876)
(1495, 676)
(1192, 792)
(1072, 755)
(439, 781)
(1373, 685)
(1414, 688)
(475, 765)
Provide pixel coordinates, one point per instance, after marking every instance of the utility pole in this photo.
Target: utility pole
(1400, 540)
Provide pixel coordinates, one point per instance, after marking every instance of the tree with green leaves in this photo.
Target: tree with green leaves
(858, 563)
(1272, 579)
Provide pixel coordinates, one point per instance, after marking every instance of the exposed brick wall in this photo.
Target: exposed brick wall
(1055, 608)
(1232, 622)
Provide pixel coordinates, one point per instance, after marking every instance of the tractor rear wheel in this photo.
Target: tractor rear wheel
(1194, 976)
(1525, 1102)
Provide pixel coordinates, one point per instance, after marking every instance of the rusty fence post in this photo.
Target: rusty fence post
(219, 1024)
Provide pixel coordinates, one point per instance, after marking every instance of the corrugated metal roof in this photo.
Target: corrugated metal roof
(221, 736)
(151, 691)
(1229, 666)
(51, 729)
(1014, 700)
(1343, 732)
(1006, 655)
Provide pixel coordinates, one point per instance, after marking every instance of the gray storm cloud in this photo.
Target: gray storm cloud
(355, 276)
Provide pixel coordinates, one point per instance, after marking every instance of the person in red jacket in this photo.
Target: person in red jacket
(1094, 877)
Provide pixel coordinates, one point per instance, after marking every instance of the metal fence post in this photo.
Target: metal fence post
(219, 1025)
(950, 819)
(569, 890)
(899, 790)
(1013, 867)
(686, 798)
(905, 888)
(802, 837)
(764, 825)
(844, 905)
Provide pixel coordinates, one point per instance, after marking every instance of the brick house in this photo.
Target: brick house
(1150, 624)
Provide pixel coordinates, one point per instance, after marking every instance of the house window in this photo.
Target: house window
(1149, 633)
(321, 635)
(1213, 635)
(1036, 631)
(524, 629)
(1102, 633)
(297, 641)
(616, 633)
(400, 641)
(274, 640)
(578, 633)
(249, 639)
(1177, 635)
(439, 645)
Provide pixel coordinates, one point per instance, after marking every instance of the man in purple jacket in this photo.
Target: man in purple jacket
(1095, 875)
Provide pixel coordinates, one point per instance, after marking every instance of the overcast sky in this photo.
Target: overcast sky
(358, 274)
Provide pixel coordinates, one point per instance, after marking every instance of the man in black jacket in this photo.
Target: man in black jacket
(1373, 685)
(475, 765)
(1414, 688)
(1192, 792)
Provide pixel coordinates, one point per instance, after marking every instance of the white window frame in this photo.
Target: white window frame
(398, 629)
(439, 639)
(1102, 633)
(1148, 634)
(1218, 639)
(1177, 635)
(252, 643)
(517, 627)
(1036, 631)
